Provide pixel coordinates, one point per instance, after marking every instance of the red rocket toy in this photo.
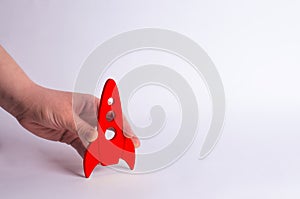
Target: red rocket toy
(111, 144)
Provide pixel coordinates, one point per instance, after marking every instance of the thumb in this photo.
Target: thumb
(85, 131)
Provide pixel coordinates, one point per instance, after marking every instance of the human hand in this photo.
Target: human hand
(47, 113)
(54, 115)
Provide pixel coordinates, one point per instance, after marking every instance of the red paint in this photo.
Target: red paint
(108, 152)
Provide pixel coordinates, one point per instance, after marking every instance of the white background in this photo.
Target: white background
(255, 47)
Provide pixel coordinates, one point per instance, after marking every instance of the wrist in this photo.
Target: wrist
(21, 99)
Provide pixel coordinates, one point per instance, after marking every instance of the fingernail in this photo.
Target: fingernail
(136, 142)
(91, 136)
